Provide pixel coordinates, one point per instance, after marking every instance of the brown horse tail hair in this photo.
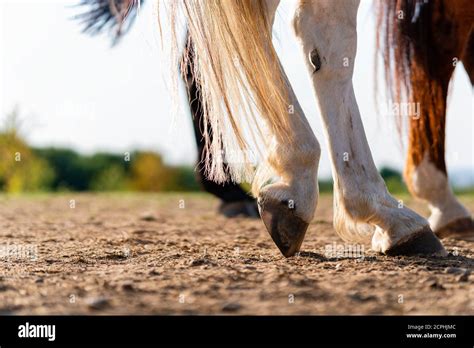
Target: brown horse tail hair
(406, 45)
(239, 77)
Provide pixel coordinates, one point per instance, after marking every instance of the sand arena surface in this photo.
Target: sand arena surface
(173, 254)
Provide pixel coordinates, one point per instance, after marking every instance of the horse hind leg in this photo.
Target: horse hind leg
(364, 210)
(425, 171)
(427, 179)
(234, 200)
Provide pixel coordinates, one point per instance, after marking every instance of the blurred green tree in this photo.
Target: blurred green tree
(77, 172)
(20, 169)
(112, 178)
(149, 173)
(393, 179)
(183, 179)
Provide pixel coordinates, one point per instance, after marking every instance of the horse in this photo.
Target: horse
(245, 94)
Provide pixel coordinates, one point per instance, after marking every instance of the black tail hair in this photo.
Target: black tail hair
(114, 16)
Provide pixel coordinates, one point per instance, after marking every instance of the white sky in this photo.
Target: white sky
(74, 90)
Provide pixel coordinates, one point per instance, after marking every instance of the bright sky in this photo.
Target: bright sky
(74, 90)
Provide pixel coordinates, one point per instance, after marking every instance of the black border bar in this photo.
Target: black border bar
(223, 330)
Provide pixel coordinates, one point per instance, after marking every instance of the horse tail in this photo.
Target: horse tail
(239, 77)
(416, 72)
(116, 16)
(235, 66)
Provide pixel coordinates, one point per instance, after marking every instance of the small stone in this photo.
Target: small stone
(464, 277)
(98, 303)
(359, 297)
(435, 285)
(148, 217)
(455, 270)
(200, 262)
(39, 280)
(231, 307)
(128, 286)
(154, 272)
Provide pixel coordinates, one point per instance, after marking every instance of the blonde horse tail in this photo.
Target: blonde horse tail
(240, 80)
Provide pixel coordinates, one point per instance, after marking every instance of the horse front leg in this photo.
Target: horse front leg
(364, 209)
(287, 206)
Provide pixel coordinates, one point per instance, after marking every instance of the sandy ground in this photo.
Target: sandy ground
(172, 254)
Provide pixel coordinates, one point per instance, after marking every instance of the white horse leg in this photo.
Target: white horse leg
(326, 30)
(449, 218)
(287, 206)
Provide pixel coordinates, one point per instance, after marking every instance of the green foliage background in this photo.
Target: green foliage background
(27, 169)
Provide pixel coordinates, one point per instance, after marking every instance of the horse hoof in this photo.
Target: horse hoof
(285, 227)
(247, 209)
(462, 229)
(422, 242)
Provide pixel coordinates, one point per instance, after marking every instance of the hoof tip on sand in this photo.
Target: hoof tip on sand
(284, 226)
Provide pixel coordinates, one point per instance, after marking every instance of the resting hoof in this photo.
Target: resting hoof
(462, 229)
(247, 209)
(422, 242)
(285, 227)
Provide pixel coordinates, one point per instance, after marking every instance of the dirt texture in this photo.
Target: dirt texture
(173, 254)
